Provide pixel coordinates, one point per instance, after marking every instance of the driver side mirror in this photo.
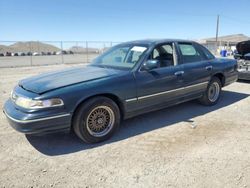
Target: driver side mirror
(151, 64)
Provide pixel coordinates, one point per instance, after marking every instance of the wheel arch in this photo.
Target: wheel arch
(221, 77)
(113, 97)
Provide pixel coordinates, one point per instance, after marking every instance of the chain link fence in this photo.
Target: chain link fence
(31, 53)
(17, 53)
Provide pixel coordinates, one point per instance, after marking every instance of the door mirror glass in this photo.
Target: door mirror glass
(151, 64)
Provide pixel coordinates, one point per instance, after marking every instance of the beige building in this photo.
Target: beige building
(227, 42)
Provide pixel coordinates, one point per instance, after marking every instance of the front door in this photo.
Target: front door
(163, 84)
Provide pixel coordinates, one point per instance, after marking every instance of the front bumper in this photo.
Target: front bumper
(36, 123)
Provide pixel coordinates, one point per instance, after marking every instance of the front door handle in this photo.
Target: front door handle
(179, 73)
(209, 68)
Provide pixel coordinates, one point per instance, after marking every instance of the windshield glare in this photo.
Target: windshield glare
(121, 56)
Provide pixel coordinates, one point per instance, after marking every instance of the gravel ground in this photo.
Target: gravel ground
(188, 145)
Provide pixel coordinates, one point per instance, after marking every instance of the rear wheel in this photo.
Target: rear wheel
(96, 120)
(212, 94)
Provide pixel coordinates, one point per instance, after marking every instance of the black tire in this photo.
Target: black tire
(102, 107)
(206, 98)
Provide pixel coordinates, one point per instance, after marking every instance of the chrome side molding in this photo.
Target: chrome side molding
(165, 92)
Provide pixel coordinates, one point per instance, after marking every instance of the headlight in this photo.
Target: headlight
(35, 104)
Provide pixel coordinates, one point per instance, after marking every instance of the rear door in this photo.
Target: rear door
(196, 66)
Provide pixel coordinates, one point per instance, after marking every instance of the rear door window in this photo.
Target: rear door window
(206, 52)
(189, 53)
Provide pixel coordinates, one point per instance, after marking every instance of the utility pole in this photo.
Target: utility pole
(217, 30)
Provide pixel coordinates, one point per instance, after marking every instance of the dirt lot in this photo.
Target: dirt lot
(188, 145)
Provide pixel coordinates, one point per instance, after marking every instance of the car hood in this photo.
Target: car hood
(243, 47)
(50, 81)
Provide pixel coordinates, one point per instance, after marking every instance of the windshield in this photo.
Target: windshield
(121, 56)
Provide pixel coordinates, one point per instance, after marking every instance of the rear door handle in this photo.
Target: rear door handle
(209, 68)
(179, 73)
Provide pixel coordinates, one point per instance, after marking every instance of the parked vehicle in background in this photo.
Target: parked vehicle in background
(21, 53)
(1, 54)
(7, 54)
(70, 52)
(62, 52)
(14, 54)
(29, 53)
(127, 80)
(243, 58)
(48, 53)
(36, 54)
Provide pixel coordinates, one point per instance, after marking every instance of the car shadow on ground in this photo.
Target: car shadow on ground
(62, 143)
(244, 81)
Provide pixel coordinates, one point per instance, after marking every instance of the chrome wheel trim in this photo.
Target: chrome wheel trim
(213, 92)
(100, 121)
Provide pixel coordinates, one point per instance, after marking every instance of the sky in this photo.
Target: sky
(120, 20)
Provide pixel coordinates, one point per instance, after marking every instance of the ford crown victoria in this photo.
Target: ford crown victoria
(129, 79)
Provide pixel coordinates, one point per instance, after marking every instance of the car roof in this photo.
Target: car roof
(156, 41)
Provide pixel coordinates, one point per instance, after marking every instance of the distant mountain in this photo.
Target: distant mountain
(34, 46)
(80, 49)
(28, 46)
(4, 49)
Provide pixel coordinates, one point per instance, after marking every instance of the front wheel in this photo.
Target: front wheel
(212, 94)
(96, 120)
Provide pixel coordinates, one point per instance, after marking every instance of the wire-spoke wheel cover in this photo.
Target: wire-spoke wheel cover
(100, 121)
